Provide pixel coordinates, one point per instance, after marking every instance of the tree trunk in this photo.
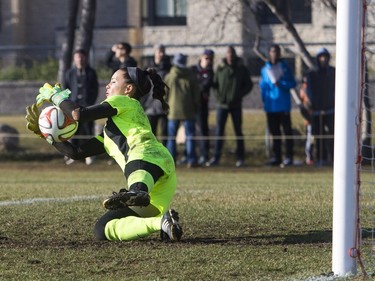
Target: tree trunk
(86, 28)
(67, 47)
(258, 32)
(293, 32)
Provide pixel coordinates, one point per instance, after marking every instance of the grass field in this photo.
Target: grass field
(239, 224)
(253, 223)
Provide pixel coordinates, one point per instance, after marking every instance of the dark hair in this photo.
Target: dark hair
(276, 47)
(80, 51)
(232, 50)
(209, 52)
(126, 46)
(143, 84)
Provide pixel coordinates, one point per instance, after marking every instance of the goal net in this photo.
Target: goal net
(353, 230)
(365, 235)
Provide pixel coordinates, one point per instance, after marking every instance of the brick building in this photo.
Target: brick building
(33, 29)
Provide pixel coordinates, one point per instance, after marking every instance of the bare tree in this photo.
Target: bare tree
(84, 36)
(285, 20)
(230, 9)
(258, 38)
(67, 46)
(330, 4)
(226, 10)
(86, 27)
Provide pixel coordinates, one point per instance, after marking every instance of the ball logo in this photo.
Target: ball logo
(55, 125)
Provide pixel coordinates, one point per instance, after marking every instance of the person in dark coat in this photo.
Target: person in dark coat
(321, 93)
(82, 80)
(205, 74)
(232, 82)
(119, 56)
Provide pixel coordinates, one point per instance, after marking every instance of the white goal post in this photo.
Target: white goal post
(348, 79)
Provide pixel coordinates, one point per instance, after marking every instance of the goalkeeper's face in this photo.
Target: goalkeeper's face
(118, 85)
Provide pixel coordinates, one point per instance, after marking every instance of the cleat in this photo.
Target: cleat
(125, 198)
(213, 162)
(240, 163)
(170, 228)
(274, 162)
(287, 162)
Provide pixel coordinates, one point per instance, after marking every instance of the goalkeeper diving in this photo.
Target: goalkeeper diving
(127, 137)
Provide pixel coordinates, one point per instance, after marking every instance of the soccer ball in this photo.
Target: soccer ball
(55, 125)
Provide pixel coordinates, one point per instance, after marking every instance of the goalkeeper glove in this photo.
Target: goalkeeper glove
(53, 94)
(32, 118)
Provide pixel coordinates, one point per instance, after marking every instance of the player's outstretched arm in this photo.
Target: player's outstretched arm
(90, 148)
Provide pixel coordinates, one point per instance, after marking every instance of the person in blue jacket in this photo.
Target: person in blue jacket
(275, 83)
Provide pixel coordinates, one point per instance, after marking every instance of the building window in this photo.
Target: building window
(299, 11)
(164, 12)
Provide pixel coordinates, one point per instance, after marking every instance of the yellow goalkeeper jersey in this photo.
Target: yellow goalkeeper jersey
(128, 136)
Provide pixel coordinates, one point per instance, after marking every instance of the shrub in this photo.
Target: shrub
(46, 71)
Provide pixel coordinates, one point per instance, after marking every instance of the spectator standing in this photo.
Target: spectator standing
(162, 62)
(231, 83)
(152, 107)
(82, 80)
(321, 92)
(183, 99)
(306, 113)
(119, 56)
(275, 83)
(205, 74)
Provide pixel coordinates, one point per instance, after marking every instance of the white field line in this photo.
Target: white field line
(49, 200)
(71, 199)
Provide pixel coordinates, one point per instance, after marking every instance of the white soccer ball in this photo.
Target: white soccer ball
(55, 125)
